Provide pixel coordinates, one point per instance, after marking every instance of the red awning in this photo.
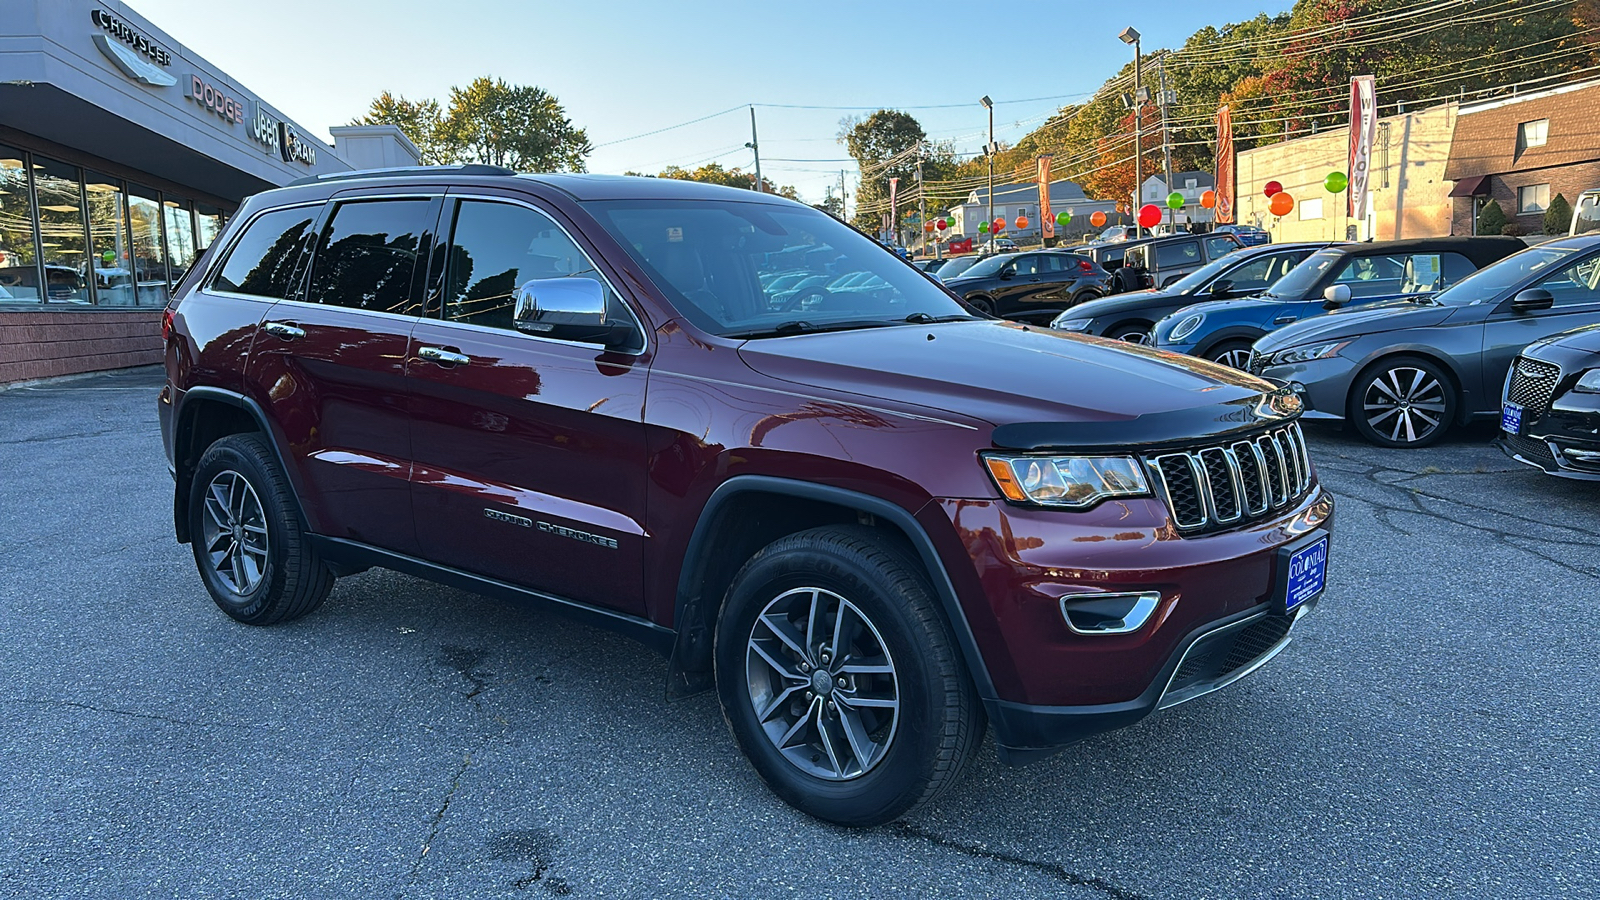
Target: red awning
(1470, 187)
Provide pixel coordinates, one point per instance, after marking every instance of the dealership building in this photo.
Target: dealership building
(122, 154)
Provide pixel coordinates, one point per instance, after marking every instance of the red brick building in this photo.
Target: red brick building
(1523, 151)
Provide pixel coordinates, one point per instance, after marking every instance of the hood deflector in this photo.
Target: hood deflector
(1179, 427)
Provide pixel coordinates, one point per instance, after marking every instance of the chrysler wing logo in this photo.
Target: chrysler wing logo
(140, 70)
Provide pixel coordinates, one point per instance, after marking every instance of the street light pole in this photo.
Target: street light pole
(755, 147)
(1166, 142)
(988, 151)
(1130, 36)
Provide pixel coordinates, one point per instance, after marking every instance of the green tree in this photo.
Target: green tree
(1558, 216)
(422, 121)
(884, 147)
(1491, 219)
(518, 126)
(714, 173)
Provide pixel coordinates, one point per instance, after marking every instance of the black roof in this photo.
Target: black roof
(1481, 250)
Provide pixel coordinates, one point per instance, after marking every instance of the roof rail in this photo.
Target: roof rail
(405, 171)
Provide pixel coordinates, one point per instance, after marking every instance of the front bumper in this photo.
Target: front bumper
(1323, 383)
(1056, 686)
(1564, 442)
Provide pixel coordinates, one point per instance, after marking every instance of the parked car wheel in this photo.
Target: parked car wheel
(247, 538)
(1403, 401)
(1134, 332)
(981, 304)
(1230, 353)
(839, 679)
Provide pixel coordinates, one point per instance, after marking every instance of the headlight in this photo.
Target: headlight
(1589, 383)
(1185, 328)
(1307, 354)
(1071, 324)
(1074, 482)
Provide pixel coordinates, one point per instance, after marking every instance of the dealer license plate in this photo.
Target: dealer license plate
(1308, 574)
(1511, 418)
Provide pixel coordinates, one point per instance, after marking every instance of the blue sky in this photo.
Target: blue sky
(625, 67)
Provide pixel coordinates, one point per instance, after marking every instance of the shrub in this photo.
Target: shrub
(1511, 229)
(1491, 220)
(1558, 216)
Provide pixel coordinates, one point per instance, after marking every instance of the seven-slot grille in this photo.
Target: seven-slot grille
(1236, 482)
(1532, 383)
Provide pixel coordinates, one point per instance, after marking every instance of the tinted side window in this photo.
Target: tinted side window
(1220, 246)
(1027, 265)
(263, 259)
(1182, 253)
(368, 253)
(1370, 276)
(1257, 274)
(1575, 285)
(1456, 267)
(498, 246)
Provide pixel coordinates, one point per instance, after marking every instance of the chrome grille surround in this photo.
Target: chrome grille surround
(1219, 486)
(1531, 385)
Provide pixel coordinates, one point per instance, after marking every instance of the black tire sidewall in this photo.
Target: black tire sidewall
(1128, 327)
(230, 454)
(1227, 346)
(982, 304)
(1356, 412)
(899, 780)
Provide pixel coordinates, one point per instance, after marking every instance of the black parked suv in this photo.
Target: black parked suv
(1167, 259)
(1029, 286)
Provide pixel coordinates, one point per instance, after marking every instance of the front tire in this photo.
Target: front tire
(1132, 333)
(248, 543)
(981, 304)
(1235, 354)
(839, 679)
(1403, 402)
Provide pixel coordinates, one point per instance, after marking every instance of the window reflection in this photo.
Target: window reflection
(149, 247)
(207, 225)
(108, 241)
(180, 238)
(62, 235)
(19, 278)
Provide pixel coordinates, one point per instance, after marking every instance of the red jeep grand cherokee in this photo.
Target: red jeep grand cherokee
(733, 427)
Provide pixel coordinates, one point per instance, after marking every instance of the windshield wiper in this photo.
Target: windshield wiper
(801, 326)
(922, 318)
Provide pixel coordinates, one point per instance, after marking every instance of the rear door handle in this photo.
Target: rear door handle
(443, 357)
(284, 330)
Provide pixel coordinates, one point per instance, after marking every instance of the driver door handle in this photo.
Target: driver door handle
(443, 357)
(284, 330)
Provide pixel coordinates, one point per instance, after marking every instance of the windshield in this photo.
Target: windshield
(955, 267)
(1488, 282)
(987, 266)
(1304, 277)
(1198, 279)
(709, 257)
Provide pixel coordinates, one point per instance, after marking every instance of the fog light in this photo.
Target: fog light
(1108, 613)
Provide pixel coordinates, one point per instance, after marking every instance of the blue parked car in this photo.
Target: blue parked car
(1344, 275)
(1248, 235)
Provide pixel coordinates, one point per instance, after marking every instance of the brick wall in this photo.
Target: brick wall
(1568, 181)
(40, 344)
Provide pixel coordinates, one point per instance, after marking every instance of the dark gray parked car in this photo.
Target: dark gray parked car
(1404, 371)
(1167, 259)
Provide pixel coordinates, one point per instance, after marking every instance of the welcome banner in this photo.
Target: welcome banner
(1047, 221)
(1363, 127)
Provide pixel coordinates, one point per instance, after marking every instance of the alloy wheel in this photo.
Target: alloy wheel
(234, 531)
(1135, 337)
(1237, 358)
(1407, 404)
(822, 684)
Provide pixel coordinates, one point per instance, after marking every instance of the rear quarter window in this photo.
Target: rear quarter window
(262, 261)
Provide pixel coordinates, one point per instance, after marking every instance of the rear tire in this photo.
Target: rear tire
(981, 304)
(246, 535)
(839, 680)
(1132, 332)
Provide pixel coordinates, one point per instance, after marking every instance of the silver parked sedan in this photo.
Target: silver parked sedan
(1403, 372)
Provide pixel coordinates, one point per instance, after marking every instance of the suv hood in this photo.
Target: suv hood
(1583, 340)
(1390, 315)
(1004, 373)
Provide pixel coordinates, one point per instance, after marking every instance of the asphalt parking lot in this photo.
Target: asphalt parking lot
(1432, 732)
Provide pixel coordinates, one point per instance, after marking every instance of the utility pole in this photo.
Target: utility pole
(1166, 143)
(1130, 36)
(755, 147)
(988, 150)
(844, 208)
(922, 209)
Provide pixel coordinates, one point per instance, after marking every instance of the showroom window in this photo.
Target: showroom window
(19, 274)
(63, 234)
(179, 221)
(1533, 199)
(149, 247)
(208, 222)
(108, 240)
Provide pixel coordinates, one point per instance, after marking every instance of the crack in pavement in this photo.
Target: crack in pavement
(133, 715)
(435, 825)
(978, 851)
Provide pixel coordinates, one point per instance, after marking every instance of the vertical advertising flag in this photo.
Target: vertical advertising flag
(1047, 220)
(1223, 214)
(1363, 126)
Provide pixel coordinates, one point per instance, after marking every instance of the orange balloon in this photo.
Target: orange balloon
(1097, 219)
(999, 224)
(927, 226)
(1022, 221)
(1281, 204)
(1208, 200)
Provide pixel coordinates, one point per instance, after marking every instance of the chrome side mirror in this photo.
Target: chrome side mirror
(545, 304)
(1336, 296)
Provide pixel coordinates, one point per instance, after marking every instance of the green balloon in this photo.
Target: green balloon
(1335, 182)
(983, 227)
(1174, 200)
(108, 257)
(1062, 218)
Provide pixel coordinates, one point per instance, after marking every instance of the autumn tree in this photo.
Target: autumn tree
(714, 173)
(489, 121)
(421, 121)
